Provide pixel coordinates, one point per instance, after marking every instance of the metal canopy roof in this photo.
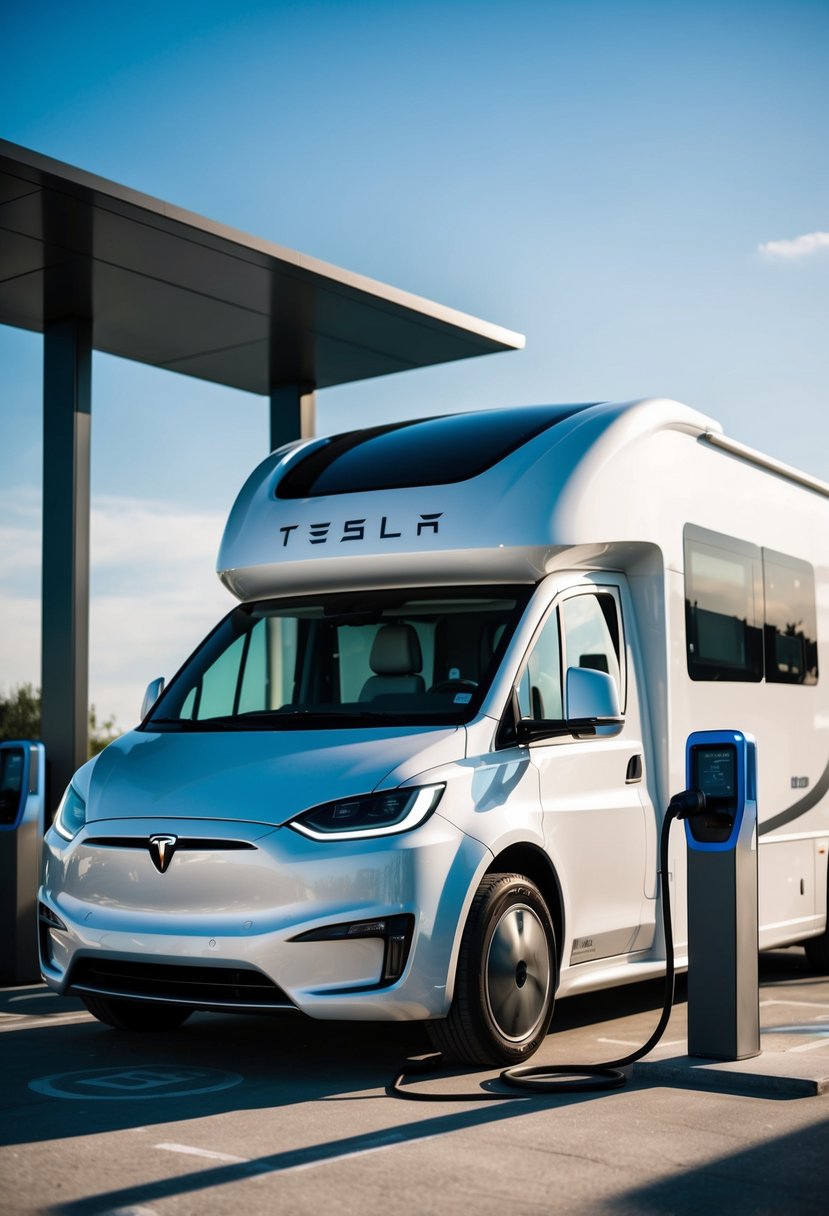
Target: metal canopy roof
(167, 287)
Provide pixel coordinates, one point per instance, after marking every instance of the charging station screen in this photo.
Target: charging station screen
(11, 784)
(716, 774)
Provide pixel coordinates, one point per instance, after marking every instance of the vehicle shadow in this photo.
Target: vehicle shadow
(271, 1061)
(276, 1061)
(781, 1175)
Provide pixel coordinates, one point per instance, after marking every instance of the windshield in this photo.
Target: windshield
(414, 657)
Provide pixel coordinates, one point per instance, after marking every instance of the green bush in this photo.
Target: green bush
(20, 719)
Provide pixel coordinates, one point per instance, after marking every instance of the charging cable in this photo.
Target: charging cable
(576, 1078)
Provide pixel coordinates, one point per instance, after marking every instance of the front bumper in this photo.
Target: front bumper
(218, 929)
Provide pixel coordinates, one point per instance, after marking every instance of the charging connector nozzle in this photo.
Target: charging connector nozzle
(688, 804)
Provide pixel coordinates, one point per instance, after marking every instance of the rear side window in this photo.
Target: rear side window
(791, 620)
(749, 612)
(723, 607)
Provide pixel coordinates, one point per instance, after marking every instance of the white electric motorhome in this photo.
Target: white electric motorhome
(420, 771)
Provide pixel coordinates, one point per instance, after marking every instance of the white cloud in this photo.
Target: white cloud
(20, 542)
(132, 531)
(19, 638)
(155, 594)
(135, 638)
(797, 247)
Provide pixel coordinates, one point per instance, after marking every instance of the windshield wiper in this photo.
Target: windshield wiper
(276, 717)
(326, 715)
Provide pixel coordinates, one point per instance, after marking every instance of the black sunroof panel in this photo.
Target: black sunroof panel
(427, 451)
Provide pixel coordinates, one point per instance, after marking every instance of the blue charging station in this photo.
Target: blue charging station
(723, 981)
(22, 826)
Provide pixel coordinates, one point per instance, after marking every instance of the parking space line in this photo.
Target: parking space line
(262, 1168)
(810, 1046)
(190, 1151)
(393, 1141)
(803, 1004)
(130, 1211)
(630, 1043)
(21, 1021)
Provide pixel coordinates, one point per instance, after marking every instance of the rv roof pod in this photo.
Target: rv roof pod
(483, 496)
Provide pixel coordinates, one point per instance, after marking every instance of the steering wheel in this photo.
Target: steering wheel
(456, 685)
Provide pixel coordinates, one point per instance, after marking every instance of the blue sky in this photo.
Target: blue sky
(602, 177)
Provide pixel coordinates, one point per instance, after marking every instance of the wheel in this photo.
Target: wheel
(506, 976)
(135, 1015)
(817, 953)
(817, 949)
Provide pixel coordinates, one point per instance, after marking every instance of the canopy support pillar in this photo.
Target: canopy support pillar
(293, 413)
(67, 394)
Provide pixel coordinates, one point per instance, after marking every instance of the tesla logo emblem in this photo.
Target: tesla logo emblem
(362, 529)
(161, 850)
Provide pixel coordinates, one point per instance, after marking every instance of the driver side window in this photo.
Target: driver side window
(592, 639)
(591, 634)
(539, 690)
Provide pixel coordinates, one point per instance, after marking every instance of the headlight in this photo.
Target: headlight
(71, 814)
(383, 814)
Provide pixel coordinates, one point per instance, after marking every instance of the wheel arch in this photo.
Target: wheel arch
(534, 863)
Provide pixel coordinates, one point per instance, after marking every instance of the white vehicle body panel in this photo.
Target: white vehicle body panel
(262, 777)
(597, 503)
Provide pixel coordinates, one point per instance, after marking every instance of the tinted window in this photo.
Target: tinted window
(416, 656)
(431, 451)
(539, 688)
(590, 623)
(791, 620)
(591, 631)
(723, 607)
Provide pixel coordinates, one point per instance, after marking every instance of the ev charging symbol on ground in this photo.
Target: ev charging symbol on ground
(129, 1084)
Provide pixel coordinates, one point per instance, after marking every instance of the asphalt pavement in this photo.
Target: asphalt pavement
(283, 1115)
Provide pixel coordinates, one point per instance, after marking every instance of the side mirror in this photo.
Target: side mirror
(154, 690)
(591, 694)
(591, 701)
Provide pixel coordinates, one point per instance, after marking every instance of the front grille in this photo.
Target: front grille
(184, 983)
(195, 844)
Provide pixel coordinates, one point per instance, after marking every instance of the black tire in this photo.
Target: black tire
(506, 977)
(135, 1015)
(817, 953)
(817, 949)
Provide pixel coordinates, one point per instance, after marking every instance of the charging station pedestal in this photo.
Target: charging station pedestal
(723, 982)
(22, 824)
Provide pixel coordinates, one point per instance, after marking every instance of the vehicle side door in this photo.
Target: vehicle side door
(598, 822)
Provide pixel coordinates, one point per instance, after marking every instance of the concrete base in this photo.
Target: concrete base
(772, 1074)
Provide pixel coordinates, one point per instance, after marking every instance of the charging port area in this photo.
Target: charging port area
(723, 982)
(719, 807)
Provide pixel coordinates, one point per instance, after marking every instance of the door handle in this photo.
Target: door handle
(634, 772)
